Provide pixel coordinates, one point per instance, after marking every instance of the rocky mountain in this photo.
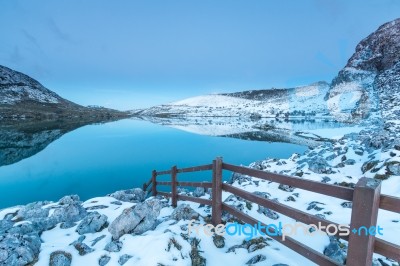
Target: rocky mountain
(371, 76)
(22, 97)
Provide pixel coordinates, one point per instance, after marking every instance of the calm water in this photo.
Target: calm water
(99, 159)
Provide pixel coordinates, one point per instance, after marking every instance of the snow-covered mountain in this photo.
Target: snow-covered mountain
(299, 101)
(367, 87)
(22, 97)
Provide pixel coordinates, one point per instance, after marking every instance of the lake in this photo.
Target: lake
(95, 160)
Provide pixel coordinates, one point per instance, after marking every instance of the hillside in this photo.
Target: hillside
(22, 97)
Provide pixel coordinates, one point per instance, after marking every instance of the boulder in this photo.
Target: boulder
(137, 219)
(69, 213)
(69, 200)
(130, 195)
(82, 248)
(19, 249)
(319, 165)
(33, 211)
(60, 258)
(184, 212)
(256, 259)
(123, 259)
(94, 222)
(104, 260)
(113, 246)
(335, 251)
(199, 192)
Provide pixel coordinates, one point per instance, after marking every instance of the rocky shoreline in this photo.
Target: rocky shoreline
(102, 230)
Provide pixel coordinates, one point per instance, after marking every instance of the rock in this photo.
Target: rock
(137, 219)
(116, 202)
(82, 248)
(18, 249)
(104, 260)
(236, 177)
(268, 212)
(335, 251)
(346, 184)
(347, 204)
(219, 241)
(286, 188)
(123, 259)
(113, 246)
(199, 192)
(60, 258)
(359, 151)
(33, 211)
(393, 168)
(251, 245)
(290, 198)
(97, 207)
(325, 179)
(319, 165)
(94, 222)
(314, 205)
(350, 162)
(130, 195)
(69, 200)
(69, 213)
(67, 225)
(256, 259)
(369, 165)
(97, 239)
(5, 225)
(262, 194)
(375, 139)
(196, 258)
(184, 212)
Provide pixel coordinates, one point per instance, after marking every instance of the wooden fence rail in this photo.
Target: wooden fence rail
(366, 199)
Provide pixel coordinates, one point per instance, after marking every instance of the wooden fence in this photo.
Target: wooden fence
(366, 199)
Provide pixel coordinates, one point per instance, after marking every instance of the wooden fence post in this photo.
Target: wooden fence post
(154, 181)
(216, 191)
(363, 217)
(173, 186)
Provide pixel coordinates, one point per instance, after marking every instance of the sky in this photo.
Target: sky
(133, 54)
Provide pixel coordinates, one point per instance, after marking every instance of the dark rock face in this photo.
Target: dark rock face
(372, 74)
(379, 51)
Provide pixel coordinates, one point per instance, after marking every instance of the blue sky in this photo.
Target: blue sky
(132, 54)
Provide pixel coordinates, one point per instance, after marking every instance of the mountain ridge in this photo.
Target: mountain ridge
(22, 97)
